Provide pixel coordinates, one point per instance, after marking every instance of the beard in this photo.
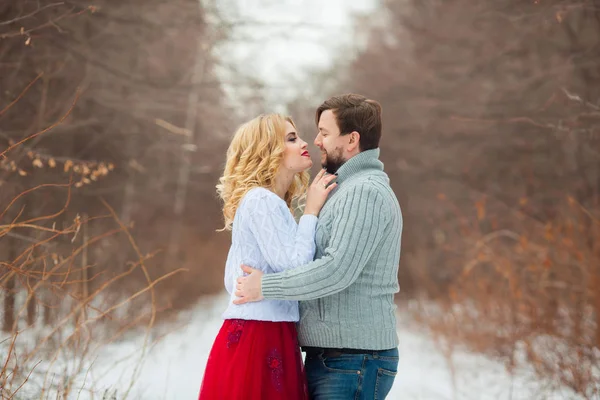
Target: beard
(333, 161)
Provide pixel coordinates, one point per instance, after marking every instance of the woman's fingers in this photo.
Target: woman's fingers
(328, 179)
(321, 180)
(331, 187)
(319, 176)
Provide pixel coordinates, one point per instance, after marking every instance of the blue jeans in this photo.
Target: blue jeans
(351, 376)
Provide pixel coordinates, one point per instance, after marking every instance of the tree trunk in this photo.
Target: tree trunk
(9, 289)
(47, 313)
(31, 310)
(186, 148)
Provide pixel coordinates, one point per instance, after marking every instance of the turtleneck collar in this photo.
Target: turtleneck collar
(365, 160)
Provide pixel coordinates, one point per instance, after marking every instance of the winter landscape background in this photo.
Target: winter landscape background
(114, 122)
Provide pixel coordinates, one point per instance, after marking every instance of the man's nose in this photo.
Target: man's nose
(317, 141)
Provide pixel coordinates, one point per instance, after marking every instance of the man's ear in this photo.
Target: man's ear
(354, 141)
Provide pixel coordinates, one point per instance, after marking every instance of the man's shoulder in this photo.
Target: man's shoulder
(369, 183)
(374, 186)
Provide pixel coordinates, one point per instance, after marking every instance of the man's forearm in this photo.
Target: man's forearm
(307, 282)
(328, 275)
(356, 233)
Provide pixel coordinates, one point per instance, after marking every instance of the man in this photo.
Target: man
(347, 313)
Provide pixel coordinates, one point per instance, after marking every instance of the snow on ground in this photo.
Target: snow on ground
(173, 366)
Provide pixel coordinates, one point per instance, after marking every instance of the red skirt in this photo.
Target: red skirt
(255, 360)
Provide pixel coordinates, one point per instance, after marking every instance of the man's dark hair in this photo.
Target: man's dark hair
(354, 112)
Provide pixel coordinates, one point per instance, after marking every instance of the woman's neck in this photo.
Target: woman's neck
(283, 181)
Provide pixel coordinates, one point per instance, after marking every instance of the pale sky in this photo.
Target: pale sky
(282, 41)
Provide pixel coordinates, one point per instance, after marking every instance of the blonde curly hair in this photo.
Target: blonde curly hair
(253, 159)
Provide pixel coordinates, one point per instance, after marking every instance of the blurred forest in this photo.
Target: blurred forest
(113, 125)
(114, 121)
(492, 143)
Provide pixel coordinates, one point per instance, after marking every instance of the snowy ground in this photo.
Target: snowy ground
(173, 367)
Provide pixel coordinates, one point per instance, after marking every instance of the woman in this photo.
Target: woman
(256, 353)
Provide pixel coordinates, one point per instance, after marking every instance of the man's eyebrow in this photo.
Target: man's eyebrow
(323, 129)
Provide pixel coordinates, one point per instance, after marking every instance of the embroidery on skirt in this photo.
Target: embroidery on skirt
(275, 363)
(234, 333)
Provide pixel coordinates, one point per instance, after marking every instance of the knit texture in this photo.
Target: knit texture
(266, 236)
(347, 294)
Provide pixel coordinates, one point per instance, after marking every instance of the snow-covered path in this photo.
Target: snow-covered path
(174, 366)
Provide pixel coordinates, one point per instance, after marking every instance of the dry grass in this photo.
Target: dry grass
(528, 296)
(54, 272)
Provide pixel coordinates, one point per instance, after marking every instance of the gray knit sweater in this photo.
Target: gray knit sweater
(347, 294)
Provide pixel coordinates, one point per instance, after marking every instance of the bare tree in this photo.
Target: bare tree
(491, 133)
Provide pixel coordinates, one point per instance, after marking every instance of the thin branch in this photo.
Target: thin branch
(31, 190)
(526, 120)
(44, 25)
(22, 94)
(26, 379)
(45, 130)
(578, 99)
(172, 128)
(29, 239)
(10, 21)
